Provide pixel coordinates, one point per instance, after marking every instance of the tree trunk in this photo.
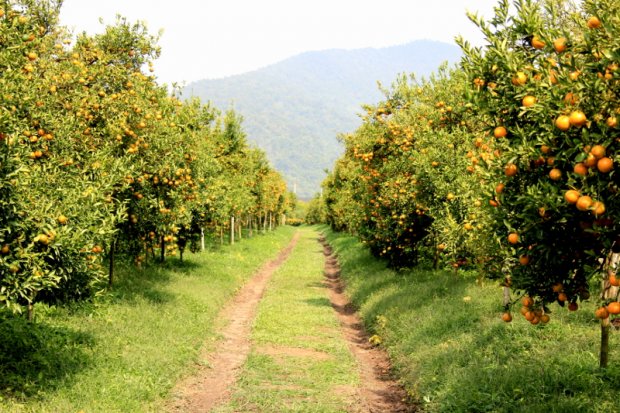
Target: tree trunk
(162, 255)
(111, 264)
(506, 295)
(270, 221)
(202, 239)
(250, 225)
(239, 227)
(609, 292)
(221, 236)
(30, 314)
(604, 353)
(232, 230)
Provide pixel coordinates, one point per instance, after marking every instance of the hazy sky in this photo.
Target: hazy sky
(210, 39)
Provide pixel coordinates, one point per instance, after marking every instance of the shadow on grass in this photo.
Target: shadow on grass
(38, 357)
(318, 302)
(317, 284)
(148, 282)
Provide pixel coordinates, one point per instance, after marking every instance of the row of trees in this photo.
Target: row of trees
(96, 158)
(506, 163)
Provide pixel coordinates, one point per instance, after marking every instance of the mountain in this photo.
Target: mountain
(295, 109)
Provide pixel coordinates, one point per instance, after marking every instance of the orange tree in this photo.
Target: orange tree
(548, 83)
(342, 200)
(408, 180)
(444, 164)
(93, 151)
(51, 199)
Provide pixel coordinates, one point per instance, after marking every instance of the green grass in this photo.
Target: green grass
(454, 354)
(299, 360)
(125, 351)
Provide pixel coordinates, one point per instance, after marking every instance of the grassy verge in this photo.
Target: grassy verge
(299, 360)
(454, 354)
(124, 352)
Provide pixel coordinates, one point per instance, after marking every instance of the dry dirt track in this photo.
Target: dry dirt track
(379, 391)
(212, 384)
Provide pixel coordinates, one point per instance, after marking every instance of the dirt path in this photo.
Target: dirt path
(379, 392)
(212, 384)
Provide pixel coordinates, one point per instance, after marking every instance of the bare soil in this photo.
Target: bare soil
(211, 385)
(379, 391)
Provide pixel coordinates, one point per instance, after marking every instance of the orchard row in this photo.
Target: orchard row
(96, 158)
(506, 164)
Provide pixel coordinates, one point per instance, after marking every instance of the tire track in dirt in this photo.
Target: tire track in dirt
(211, 385)
(379, 391)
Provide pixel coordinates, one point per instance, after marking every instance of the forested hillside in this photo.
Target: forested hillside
(295, 109)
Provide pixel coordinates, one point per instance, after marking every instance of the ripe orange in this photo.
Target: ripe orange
(537, 43)
(545, 149)
(584, 203)
(555, 174)
(613, 307)
(511, 169)
(605, 165)
(499, 188)
(5, 249)
(562, 122)
(598, 208)
(580, 169)
(598, 151)
(524, 260)
(559, 44)
(527, 301)
(43, 239)
(577, 118)
(571, 196)
(562, 296)
(612, 121)
(553, 77)
(493, 203)
(519, 79)
(593, 22)
(528, 101)
(500, 132)
(591, 161)
(545, 318)
(613, 280)
(529, 316)
(62, 220)
(601, 313)
(573, 306)
(507, 317)
(513, 238)
(571, 98)
(557, 287)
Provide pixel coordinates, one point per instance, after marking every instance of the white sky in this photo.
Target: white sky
(211, 39)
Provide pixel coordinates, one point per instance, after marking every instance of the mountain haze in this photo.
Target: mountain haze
(295, 109)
